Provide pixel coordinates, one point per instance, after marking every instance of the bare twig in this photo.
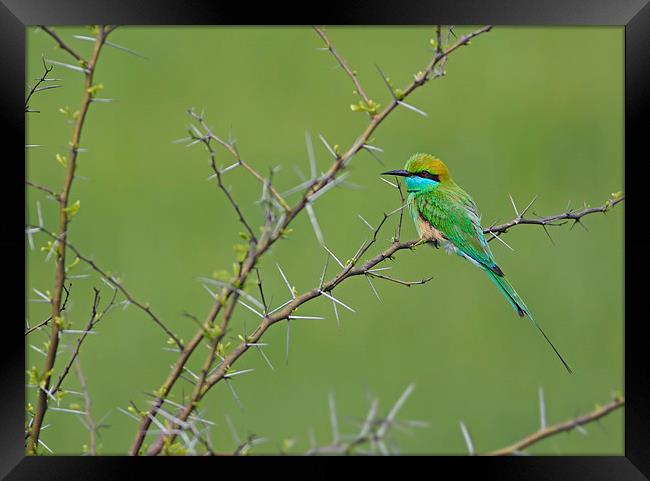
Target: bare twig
(352, 74)
(218, 176)
(50, 31)
(42, 188)
(95, 317)
(37, 86)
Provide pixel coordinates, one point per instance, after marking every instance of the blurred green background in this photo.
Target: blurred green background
(522, 111)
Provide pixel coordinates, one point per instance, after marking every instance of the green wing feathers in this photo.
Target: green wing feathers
(453, 212)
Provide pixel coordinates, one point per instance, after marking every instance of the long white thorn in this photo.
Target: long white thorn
(523, 212)
(468, 438)
(336, 314)
(322, 277)
(513, 205)
(268, 361)
(373, 288)
(314, 222)
(251, 309)
(293, 295)
(334, 299)
(332, 254)
(372, 229)
(414, 109)
(331, 150)
(395, 409)
(501, 240)
(388, 182)
(310, 155)
(542, 409)
(333, 420)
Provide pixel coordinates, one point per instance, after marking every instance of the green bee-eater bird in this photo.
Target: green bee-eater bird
(445, 215)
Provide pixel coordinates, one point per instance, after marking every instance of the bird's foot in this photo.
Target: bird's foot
(421, 241)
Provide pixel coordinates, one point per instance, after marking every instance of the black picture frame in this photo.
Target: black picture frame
(634, 15)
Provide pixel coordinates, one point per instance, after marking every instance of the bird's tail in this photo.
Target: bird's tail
(518, 305)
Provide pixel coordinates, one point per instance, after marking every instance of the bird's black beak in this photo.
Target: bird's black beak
(401, 173)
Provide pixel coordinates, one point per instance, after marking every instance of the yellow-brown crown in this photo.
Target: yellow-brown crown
(428, 163)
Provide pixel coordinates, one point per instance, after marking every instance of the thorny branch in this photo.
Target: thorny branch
(231, 147)
(64, 219)
(264, 242)
(565, 426)
(553, 220)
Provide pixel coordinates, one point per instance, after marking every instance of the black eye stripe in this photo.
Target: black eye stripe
(428, 175)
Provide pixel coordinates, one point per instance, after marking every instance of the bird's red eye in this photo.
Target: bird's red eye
(428, 175)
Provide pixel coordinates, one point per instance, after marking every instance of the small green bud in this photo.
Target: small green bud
(73, 264)
(32, 375)
(60, 323)
(93, 89)
(213, 332)
(287, 444)
(72, 210)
